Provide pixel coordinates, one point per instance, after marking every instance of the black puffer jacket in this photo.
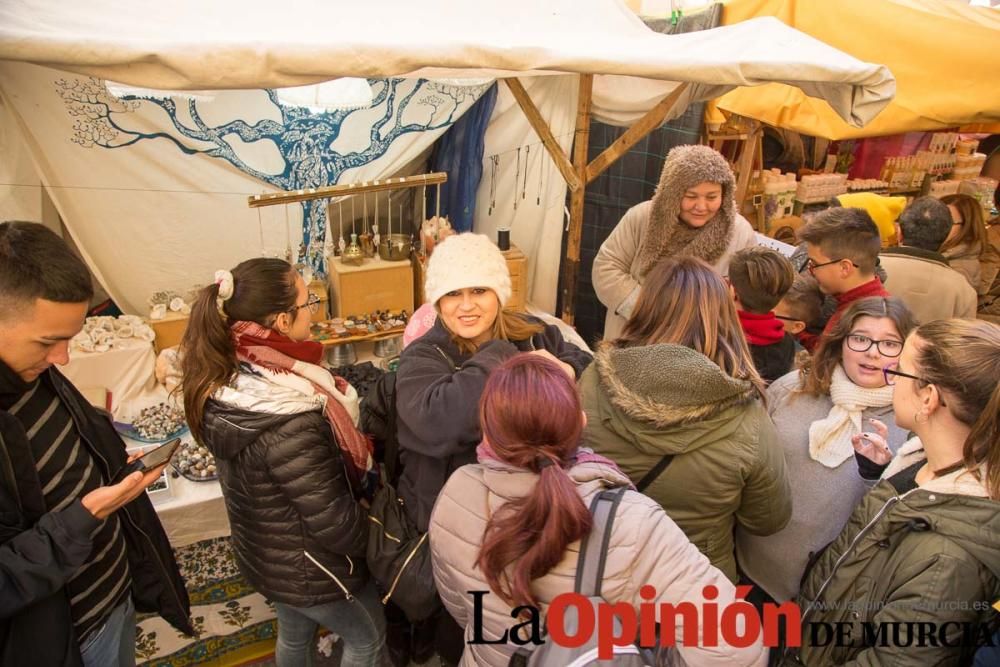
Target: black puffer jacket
(298, 534)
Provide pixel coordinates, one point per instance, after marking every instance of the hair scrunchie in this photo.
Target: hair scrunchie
(224, 279)
(543, 462)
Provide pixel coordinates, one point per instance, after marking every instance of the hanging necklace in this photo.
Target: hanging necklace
(494, 165)
(527, 161)
(517, 176)
(341, 243)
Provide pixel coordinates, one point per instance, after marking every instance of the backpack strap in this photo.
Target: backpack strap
(654, 472)
(594, 548)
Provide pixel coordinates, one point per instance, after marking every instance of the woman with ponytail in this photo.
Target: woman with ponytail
(290, 458)
(512, 523)
(923, 547)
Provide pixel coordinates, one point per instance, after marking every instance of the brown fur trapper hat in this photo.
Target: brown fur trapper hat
(666, 235)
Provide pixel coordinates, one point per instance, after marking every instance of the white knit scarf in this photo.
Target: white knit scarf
(830, 438)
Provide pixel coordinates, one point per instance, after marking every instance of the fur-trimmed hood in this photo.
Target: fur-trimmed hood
(667, 385)
(667, 235)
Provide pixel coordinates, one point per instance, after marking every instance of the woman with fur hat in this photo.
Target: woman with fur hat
(677, 403)
(442, 374)
(693, 212)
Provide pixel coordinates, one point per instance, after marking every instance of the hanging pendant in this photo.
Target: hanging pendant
(437, 203)
(376, 239)
(288, 238)
(341, 244)
(541, 170)
(260, 228)
(353, 254)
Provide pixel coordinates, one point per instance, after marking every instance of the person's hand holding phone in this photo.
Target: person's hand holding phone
(105, 500)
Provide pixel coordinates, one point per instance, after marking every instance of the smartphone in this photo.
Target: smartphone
(151, 459)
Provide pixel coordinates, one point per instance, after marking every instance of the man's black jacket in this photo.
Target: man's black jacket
(40, 550)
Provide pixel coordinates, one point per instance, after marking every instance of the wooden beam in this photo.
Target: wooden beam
(652, 120)
(545, 134)
(581, 142)
(346, 189)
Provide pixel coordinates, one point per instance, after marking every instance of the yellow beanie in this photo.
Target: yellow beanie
(883, 210)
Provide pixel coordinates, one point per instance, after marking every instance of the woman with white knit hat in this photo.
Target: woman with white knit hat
(441, 377)
(442, 374)
(693, 212)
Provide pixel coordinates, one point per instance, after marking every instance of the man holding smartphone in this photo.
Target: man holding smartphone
(78, 553)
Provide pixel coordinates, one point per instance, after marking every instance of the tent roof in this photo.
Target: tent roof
(943, 54)
(192, 45)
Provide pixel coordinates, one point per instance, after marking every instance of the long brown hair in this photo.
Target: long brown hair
(817, 371)
(531, 418)
(973, 234)
(509, 325)
(685, 302)
(262, 288)
(962, 358)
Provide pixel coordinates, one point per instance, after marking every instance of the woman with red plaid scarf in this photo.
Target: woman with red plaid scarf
(290, 458)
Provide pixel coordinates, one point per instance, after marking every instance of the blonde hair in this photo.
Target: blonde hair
(973, 232)
(683, 301)
(962, 359)
(509, 325)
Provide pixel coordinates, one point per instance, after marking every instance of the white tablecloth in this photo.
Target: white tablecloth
(128, 372)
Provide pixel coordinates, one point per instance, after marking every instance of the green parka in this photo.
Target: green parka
(908, 555)
(643, 403)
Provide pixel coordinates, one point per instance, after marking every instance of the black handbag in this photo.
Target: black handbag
(398, 555)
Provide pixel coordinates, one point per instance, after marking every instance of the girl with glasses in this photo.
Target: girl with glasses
(930, 529)
(820, 411)
(291, 461)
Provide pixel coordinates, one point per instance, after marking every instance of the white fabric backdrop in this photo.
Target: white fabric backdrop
(149, 216)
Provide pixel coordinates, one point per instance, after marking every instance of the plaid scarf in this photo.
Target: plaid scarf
(268, 348)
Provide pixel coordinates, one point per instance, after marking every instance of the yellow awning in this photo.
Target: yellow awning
(945, 56)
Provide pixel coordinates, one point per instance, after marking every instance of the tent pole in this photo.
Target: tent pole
(544, 133)
(581, 141)
(649, 122)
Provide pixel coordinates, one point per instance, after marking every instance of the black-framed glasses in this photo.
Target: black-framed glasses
(890, 375)
(312, 303)
(786, 318)
(811, 265)
(887, 347)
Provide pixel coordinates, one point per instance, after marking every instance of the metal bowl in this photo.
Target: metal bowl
(341, 355)
(388, 347)
(394, 247)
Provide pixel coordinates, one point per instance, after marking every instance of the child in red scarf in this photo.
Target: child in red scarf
(759, 277)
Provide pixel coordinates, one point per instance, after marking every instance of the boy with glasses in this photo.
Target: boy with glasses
(843, 246)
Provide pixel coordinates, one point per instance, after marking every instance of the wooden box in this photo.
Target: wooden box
(375, 285)
(169, 330)
(517, 264)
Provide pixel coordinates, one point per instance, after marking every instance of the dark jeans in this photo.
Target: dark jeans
(359, 622)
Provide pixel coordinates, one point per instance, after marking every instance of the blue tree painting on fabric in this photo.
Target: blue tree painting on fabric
(303, 137)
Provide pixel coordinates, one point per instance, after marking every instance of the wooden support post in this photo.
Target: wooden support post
(581, 141)
(649, 122)
(574, 181)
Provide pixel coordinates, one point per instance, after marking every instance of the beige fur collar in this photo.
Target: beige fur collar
(667, 384)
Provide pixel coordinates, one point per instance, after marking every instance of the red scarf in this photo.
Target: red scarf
(268, 348)
(871, 288)
(763, 329)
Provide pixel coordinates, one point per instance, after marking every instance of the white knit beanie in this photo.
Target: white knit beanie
(466, 260)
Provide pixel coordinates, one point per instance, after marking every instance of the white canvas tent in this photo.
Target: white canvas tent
(228, 45)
